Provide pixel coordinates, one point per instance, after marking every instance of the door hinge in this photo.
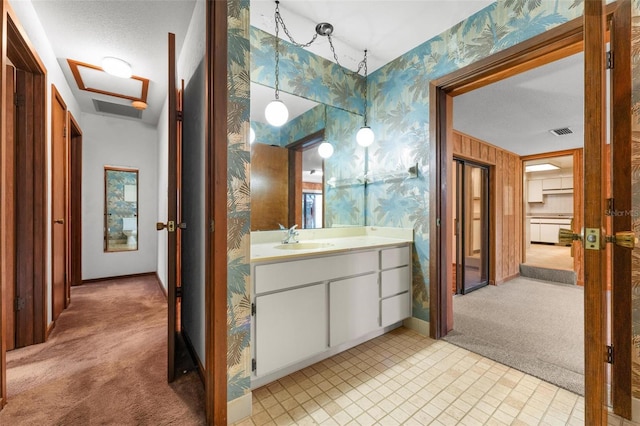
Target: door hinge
(253, 364)
(610, 207)
(19, 304)
(64, 132)
(609, 60)
(212, 226)
(609, 354)
(253, 309)
(179, 115)
(178, 292)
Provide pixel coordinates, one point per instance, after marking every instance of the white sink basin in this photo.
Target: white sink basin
(303, 246)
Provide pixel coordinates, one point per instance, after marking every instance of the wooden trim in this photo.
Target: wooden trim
(193, 353)
(621, 302)
(75, 190)
(74, 65)
(7, 204)
(216, 98)
(509, 278)
(563, 153)
(595, 277)
(118, 277)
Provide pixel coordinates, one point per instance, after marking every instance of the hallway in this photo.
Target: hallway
(104, 363)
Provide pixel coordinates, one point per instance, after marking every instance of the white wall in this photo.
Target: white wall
(29, 20)
(127, 143)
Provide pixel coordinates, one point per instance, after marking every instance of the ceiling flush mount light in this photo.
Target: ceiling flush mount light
(540, 167)
(325, 149)
(116, 67)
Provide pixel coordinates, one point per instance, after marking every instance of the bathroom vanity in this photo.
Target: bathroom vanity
(320, 296)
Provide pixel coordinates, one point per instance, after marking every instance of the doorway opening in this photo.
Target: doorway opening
(471, 226)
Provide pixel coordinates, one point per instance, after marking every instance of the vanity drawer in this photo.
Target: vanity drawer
(394, 281)
(283, 275)
(395, 309)
(393, 257)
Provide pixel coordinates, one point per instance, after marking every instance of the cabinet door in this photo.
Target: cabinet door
(290, 326)
(552, 183)
(549, 232)
(354, 308)
(567, 182)
(534, 191)
(535, 232)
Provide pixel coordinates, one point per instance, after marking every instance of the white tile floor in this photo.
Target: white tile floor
(403, 378)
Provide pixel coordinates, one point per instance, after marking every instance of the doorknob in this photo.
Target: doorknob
(60, 221)
(170, 226)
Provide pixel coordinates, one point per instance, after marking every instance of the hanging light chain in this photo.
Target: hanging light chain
(277, 70)
(286, 31)
(363, 64)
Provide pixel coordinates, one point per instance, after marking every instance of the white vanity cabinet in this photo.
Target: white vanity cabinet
(307, 308)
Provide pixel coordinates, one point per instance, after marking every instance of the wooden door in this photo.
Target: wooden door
(269, 187)
(75, 205)
(58, 204)
(620, 207)
(172, 210)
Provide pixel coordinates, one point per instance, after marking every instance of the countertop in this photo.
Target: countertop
(550, 216)
(341, 240)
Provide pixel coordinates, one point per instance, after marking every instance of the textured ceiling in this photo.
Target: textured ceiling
(134, 30)
(517, 113)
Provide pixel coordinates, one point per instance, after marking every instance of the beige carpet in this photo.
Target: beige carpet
(104, 364)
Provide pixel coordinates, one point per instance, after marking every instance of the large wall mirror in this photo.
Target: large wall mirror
(120, 209)
(290, 183)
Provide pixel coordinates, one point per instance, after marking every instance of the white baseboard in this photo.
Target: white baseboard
(417, 325)
(239, 408)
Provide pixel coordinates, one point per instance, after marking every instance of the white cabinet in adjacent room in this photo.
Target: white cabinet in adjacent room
(534, 191)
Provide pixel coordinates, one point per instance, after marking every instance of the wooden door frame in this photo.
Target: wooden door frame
(74, 217)
(57, 97)
(216, 98)
(16, 45)
(578, 203)
(554, 44)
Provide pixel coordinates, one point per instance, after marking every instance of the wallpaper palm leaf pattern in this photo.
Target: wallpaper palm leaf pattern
(238, 202)
(399, 115)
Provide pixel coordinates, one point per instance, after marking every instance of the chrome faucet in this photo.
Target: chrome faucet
(290, 235)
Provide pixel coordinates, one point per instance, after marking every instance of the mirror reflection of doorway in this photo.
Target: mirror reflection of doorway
(471, 226)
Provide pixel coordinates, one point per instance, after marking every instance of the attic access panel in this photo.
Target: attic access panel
(92, 78)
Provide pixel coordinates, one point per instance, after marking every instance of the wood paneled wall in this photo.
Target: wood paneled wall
(505, 198)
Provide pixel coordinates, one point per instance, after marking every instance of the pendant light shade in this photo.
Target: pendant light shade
(252, 135)
(365, 136)
(276, 113)
(325, 149)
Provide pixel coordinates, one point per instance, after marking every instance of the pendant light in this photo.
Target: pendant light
(365, 135)
(276, 111)
(325, 150)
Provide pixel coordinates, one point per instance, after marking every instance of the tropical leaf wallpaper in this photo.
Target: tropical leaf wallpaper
(399, 116)
(238, 202)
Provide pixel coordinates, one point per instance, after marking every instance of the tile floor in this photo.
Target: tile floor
(403, 378)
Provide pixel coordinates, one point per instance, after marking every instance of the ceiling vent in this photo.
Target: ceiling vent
(561, 131)
(117, 109)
